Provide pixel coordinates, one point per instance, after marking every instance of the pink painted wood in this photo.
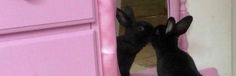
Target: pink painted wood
(33, 41)
(41, 46)
(183, 41)
(33, 14)
(178, 10)
(64, 54)
(106, 18)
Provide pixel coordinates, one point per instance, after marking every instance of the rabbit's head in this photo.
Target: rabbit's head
(133, 28)
(169, 33)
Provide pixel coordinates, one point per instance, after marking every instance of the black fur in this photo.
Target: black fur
(172, 61)
(137, 35)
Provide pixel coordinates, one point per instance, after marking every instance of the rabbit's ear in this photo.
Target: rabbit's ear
(130, 13)
(182, 26)
(170, 24)
(123, 18)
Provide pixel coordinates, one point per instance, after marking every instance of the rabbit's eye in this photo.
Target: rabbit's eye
(140, 28)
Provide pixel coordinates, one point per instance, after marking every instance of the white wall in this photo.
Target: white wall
(234, 37)
(210, 34)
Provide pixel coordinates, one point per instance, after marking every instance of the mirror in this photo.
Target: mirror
(154, 12)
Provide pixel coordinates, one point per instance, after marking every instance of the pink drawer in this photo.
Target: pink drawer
(23, 13)
(68, 54)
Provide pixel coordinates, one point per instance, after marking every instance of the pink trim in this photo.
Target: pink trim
(183, 41)
(178, 10)
(173, 8)
(108, 37)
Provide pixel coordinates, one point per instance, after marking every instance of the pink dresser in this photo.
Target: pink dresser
(57, 38)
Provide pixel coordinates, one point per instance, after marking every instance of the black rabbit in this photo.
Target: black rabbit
(137, 35)
(172, 61)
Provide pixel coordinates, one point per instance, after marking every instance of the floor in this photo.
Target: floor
(145, 59)
(155, 12)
